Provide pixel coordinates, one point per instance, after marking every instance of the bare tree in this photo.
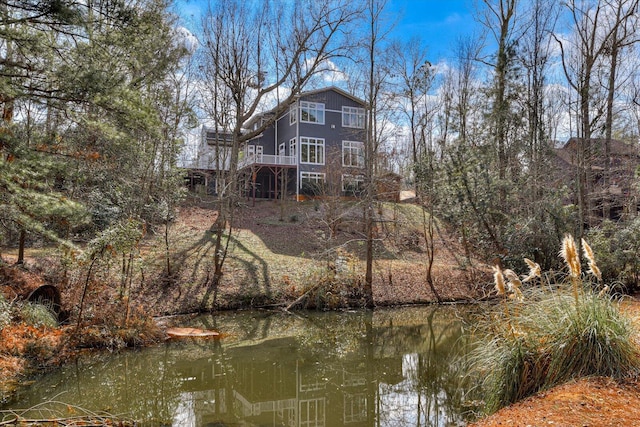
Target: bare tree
(415, 79)
(623, 36)
(254, 51)
(465, 90)
(534, 54)
(375, 79)
(581, 58)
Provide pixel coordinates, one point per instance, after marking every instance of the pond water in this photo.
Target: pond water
(389, 367)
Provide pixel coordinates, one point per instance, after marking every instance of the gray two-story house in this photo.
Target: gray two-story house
(316, 147)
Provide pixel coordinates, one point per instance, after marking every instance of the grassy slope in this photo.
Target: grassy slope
(273, 261)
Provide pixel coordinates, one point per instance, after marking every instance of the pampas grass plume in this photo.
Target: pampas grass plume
(534, 270)
(498, 278)
(588, 252)
(511, 275)
(570, 255)
(603, 291)
(593, 267)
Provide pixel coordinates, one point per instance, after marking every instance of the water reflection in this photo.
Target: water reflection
(384, 368)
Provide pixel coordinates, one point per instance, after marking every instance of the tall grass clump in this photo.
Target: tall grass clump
(550, 333)
(509, 368)
(595, 339)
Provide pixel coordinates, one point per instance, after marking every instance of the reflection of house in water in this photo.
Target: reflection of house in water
(269, 384)
(205, 386)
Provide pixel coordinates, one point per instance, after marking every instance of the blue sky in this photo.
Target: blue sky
(438, 22)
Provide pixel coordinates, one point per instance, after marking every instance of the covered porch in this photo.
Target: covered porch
(268, 181)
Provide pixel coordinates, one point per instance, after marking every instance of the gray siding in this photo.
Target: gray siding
(286, 131)
(331, 99)
(266, 140)
(331, 131)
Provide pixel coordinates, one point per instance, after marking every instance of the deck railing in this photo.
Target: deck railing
(266, 159)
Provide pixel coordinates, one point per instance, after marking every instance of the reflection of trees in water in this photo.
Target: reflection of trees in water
(438, 374)
(430, 393)
(388, 367)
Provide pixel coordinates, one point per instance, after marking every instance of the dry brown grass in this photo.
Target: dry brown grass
(272, 261)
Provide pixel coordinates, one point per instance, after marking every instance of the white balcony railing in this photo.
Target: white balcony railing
(266, 159)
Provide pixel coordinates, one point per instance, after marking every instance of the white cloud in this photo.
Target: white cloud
(186, 38)
(328, 71)
(453, 19)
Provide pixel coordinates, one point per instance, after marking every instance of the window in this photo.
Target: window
(292, 147)
(353, 185)
(312, 412)
(355, 407)
(353, 117)
(312, 177)
(311, 112)
(254, 152)
(352, 154)
(293, 114)
(312, 150)
(311, 183)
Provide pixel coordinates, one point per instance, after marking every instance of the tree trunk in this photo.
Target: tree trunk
(23, 235)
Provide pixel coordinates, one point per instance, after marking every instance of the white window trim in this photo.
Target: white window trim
(353, 111)
(293, 151)
(293, 115)
(353, 145)
(302, 143)
(316, 106)
(317, 177)
(352, 178)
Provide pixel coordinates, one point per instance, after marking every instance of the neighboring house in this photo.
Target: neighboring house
(315, 147)
(206, 173)
(619, 194)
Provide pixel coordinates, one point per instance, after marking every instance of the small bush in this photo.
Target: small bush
(5, 312)
(618, 249)
(114, 333)
(39, 351)
(38, 315)
(512, 369)
(338, 285)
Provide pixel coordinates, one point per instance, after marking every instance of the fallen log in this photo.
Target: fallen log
(66, 422)
(191, 332)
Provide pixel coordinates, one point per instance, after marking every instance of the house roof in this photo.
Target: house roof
(336, 89)
(617, 147)
(210, 135)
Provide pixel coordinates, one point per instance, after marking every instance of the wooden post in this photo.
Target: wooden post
(275, 180)
(254, 177)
